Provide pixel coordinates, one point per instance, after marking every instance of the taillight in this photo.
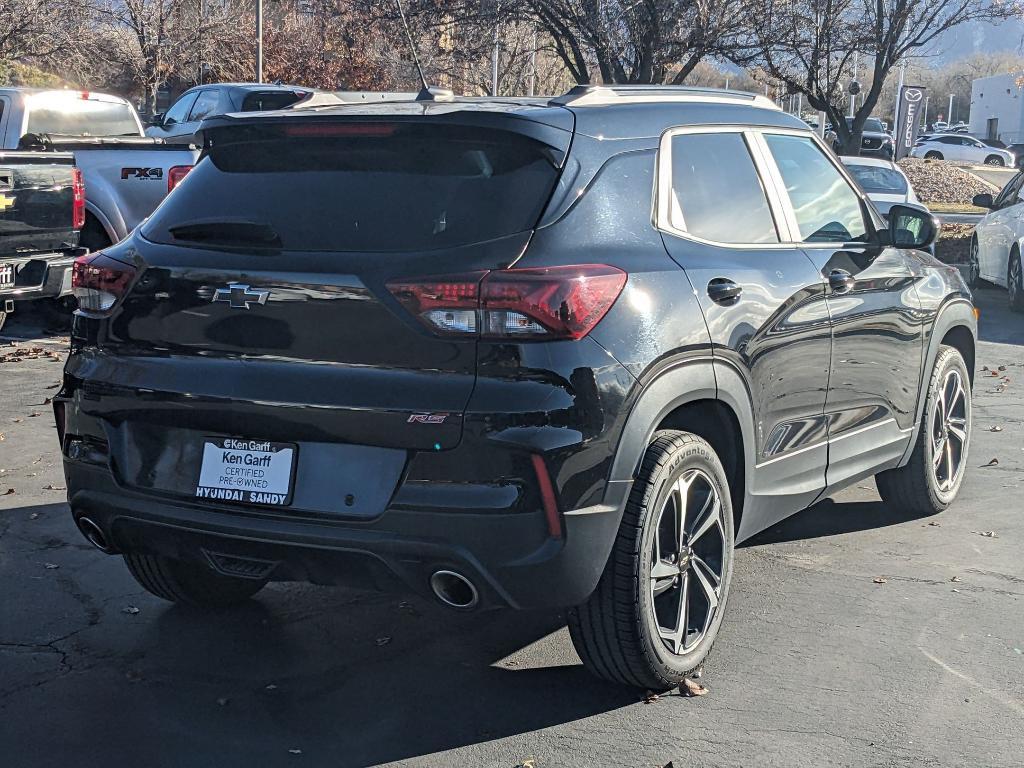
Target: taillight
(175, 174)
(551, 303)
(99, 282)
(77, 199)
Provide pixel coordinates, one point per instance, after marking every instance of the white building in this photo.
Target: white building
(997, 108)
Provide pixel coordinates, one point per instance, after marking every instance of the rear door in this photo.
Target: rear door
(878, 340)
(262, 308)
(762, 298)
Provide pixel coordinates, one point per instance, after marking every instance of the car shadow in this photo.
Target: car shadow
(997, 323)
(832, 518)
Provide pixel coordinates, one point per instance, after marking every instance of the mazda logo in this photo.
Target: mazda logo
(240, 296)
(913, 95)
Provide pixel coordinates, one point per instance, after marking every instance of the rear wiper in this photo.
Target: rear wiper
(229, 233)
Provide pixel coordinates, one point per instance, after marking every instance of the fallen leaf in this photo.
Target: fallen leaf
(51, 566)
(34, 516)
(130, 610)
(956, 590)
(294, 751)
(53, 386)
(650, 697)
(880, 580)
(934, 524)
(270, 687)
(986, 534)
(33, 415)
(47, 401)
(996, 428)
(995, 373)
(52, 487)
(1002, 367)
(529, 762)
(9, 491)
(992, 463)
(383, 640)
(223, 701)
(690, 688)
(17, 421)
(955, 578)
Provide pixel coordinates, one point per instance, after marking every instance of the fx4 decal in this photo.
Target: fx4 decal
(427, 418)
(142, 173)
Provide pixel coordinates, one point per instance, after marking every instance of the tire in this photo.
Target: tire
(995, 160)
(1015, 281)
(974, 264)
(3, 319)
(618, 631)
(187, 583)
(933, 155)
(921, 486)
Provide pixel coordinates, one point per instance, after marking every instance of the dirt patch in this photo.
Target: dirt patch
(941, 182)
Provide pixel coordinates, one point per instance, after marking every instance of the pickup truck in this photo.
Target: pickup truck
(126, 173)
(42, 210)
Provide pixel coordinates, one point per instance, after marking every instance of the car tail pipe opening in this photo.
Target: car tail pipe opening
(95, 535)
(454, 590)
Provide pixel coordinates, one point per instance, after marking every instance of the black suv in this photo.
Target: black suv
(509, 353)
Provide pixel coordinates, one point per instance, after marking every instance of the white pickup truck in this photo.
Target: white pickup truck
(126, 174)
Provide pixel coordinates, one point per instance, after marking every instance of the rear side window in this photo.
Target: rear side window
(359, 187)
(716, 192)
(206, 104)
(68, 115)
(266, 100)
(827, 208)
(878, 179)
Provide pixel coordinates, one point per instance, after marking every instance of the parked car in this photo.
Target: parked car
(42, 209)
(999, 238)
(949, 146)
(180, 123)
(940, 126)
(126, 174)
(1018, 152)
(875, 139)
(525, 390)
(883, 181)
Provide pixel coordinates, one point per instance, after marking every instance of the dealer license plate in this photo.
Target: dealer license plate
(6, 275)
(247, 471)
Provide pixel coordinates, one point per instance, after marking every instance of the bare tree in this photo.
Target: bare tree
(809, 45)
(37, 29)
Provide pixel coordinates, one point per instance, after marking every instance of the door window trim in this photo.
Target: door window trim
(662, 219)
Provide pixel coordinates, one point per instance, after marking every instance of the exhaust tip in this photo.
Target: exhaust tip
(94, 535)
(454, 590)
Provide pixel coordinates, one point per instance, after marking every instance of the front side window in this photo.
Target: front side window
(179, 112)
(206, 104)
(716, 192)
(827, 208)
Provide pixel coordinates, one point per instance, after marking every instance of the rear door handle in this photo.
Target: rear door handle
(722, 290)
(840, 281)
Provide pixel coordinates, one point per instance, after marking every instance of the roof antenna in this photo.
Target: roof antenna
(427, 93)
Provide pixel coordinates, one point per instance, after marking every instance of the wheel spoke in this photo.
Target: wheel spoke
(709, 520)
(938, 452)
(958, 432)
(663, 570)
(958, 392)
(949, 464)
(680, 491)
(684, 612)
(703, 572)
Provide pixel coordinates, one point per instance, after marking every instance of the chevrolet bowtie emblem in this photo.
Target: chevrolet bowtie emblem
(6, 202)
(240, 296)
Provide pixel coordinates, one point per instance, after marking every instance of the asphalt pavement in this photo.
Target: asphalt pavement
(856, 636)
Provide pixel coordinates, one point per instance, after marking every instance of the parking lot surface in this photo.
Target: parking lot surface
(855, 636)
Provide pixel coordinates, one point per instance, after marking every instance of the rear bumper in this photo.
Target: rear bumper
(510, 558)
(41, 277)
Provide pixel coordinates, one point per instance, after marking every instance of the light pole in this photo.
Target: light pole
(949, 112)
(899, 95)
(853, 94)
(259, 41)
(926, 112)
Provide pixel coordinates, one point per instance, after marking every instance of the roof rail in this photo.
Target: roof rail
(595, 95)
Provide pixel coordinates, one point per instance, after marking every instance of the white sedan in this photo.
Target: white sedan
(958, 146)
(998, 239)
(883, 181)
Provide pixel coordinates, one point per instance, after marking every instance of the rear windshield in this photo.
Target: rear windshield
(72, 116)
(374, 187)
(874, 178)
(262, 101)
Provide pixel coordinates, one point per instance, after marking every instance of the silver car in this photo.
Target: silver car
(967, 149)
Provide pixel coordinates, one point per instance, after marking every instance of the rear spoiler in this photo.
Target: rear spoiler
(44, 142)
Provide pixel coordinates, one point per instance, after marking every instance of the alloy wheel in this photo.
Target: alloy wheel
(688, 562)
(974, 264)
(949, 431)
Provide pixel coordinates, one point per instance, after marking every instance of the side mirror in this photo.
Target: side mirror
(155, 121)
(912, 227)
(982, 201)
